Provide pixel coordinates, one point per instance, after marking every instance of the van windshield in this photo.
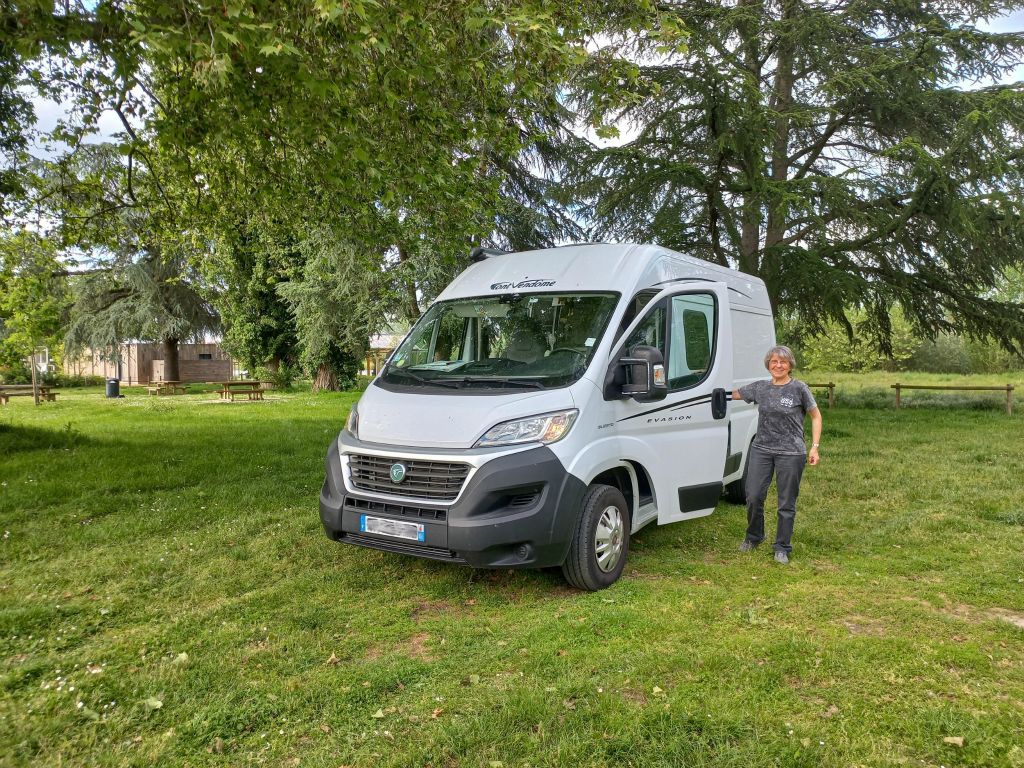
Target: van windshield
(527, 341)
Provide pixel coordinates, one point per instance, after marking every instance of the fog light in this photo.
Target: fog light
(523, 551)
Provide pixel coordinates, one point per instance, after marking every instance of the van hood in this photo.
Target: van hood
(447, 421)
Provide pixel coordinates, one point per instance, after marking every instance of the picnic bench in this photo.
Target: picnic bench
(166, 388)
(1008, 389)
(7, 391)
(831, 387)
(251, 389)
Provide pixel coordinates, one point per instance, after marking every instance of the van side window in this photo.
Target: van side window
(651, 332)
(636, 306)
(692, 339)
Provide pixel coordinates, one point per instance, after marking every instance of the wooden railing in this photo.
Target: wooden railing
(1008, 389)
(831, 387)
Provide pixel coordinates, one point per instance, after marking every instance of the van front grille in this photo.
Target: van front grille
(363, 506)
(436, 480)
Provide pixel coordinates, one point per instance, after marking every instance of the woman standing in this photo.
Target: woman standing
(778, 447)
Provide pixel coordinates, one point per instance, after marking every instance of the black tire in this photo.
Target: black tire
(603, 516)
(736, 491)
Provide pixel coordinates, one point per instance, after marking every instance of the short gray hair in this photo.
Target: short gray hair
(784, 352)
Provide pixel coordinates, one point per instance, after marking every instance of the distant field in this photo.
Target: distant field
(167, 597)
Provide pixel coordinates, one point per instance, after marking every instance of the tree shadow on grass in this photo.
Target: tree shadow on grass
(17, 439)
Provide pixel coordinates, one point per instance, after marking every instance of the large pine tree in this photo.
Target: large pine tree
(849, 153)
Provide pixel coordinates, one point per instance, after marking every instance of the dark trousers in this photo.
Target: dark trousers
(788, 471)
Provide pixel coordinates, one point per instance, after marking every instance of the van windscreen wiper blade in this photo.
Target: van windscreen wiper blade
(500, 381)
(421, 379)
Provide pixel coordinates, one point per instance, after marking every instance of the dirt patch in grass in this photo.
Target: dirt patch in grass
(975, 615)
(416, 647)
(1002, 614)
(864, 626)
(634, 696)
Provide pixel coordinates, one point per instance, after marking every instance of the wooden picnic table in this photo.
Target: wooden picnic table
(7, 391)
(166, 388)
(251, 389)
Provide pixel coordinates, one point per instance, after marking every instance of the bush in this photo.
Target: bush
(947, 354)
(72, 380)
(16, 375)
(282, 378)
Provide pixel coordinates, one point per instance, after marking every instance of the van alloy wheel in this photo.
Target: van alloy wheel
(600, 540)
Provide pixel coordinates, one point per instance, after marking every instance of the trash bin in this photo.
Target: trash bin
(113, 388)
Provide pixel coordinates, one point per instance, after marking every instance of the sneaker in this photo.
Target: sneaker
(782, 557)
(747, 546)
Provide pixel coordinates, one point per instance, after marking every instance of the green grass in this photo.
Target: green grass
(167, 597)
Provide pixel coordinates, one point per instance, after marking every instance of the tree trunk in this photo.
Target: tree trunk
(750, 214)
(781, 103)
(274, 364)
(171, 368)
(412, 305)
(325, 380)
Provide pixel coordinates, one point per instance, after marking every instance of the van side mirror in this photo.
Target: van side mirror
(646, 378)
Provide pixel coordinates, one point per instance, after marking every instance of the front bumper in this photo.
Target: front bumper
(517, 510)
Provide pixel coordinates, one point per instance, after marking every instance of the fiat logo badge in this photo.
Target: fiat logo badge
(397, 473)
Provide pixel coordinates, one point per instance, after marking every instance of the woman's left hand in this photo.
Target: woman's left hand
(813, 458)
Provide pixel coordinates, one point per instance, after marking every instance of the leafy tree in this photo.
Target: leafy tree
(850, 154)
(15, 112)
(259, 329)
(34, 296)
(404, 120)
(833, 350)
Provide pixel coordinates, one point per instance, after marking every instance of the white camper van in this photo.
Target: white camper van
(549, 404)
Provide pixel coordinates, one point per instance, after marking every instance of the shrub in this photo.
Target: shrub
(282, 378)
(947, 354)
(73, 380)
(16, 375)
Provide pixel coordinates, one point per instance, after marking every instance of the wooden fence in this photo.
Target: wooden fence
(1008, 389)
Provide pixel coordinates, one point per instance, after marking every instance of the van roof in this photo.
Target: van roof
(622, 267)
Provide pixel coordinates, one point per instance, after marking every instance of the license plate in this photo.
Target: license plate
(397, 528)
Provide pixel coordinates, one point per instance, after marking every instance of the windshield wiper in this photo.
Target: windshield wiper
(505, 382)
(421, 379)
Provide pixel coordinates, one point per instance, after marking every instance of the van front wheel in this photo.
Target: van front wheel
(600, 541)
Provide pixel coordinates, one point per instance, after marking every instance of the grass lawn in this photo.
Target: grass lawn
(167, 597)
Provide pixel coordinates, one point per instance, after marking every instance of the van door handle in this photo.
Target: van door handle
(719, 403)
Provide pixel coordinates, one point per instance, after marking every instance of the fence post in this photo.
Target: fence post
(897, 388)
(1009, 399)
(831, 394)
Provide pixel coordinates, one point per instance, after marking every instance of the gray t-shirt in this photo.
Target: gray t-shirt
(781, 411)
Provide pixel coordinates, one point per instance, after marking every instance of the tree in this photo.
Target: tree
(341, 294)
(154, 298)
(249, 263)
(34, 296)
(853, 155)
(403, 118)
(138, 278)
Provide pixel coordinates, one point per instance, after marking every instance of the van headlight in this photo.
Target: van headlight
(352, 422)
(546, 428)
